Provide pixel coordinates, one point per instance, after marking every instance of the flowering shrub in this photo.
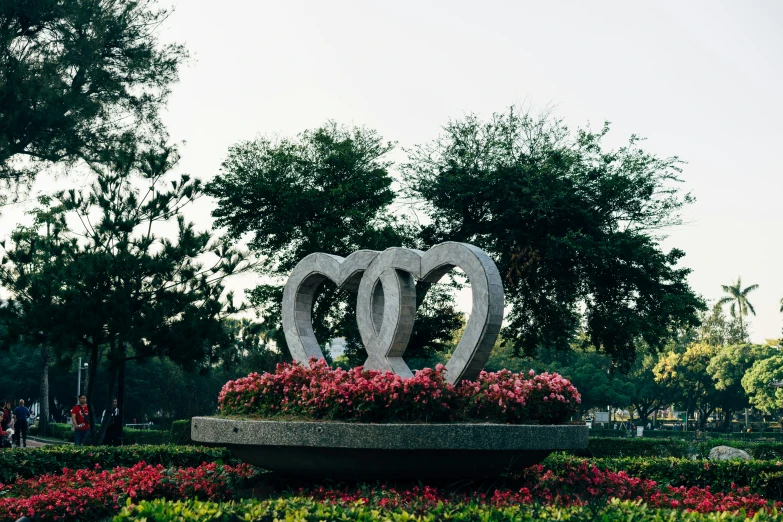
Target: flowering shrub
(318, 391)
(88, 494)
(573, 485)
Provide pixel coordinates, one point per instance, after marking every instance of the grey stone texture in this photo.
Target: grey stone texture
(386, 303)
(728, 453)
(340, 449)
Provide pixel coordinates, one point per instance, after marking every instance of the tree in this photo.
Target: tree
(130, 293)
(570, 225)
(647, 394)
(589, 371)
(329, 190)
(77, 78)
(727, 369)
(33, 284)
(738, 297)
(715, 330)
(756, 383)
(686, 376)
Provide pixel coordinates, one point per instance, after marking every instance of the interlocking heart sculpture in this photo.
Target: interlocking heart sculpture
(386, 303)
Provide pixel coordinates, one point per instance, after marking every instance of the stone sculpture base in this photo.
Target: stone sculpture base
(379, 451)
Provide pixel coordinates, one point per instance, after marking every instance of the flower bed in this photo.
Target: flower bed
(316, 391)
(571, 484)
(764, 477)
(92, 494)
(563, 485)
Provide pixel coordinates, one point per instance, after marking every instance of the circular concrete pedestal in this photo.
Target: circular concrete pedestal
(374, 451)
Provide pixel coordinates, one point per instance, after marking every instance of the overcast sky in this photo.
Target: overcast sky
(700, 80)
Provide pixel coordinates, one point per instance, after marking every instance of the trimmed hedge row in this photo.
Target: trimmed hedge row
(52, 459)
(689, 435)
(178, 434)
(300, 509)
(764, 477)
(642, 447)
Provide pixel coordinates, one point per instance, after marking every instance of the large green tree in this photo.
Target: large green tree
(685, 374)
(727, 369)
(572, 226)
(327, 190)
(740, 305)
(756, 383)
(33, 283)
(77, 77)
(132, 288)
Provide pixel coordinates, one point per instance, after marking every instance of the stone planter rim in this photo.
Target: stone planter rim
(403, 436)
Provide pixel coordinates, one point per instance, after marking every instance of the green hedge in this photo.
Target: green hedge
(299, 509)
(52, 459)
(643, 447)
(764, 477)
(180, 432)
(64, 432)
(768, 434)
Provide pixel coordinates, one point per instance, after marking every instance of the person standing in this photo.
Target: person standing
(6, 415)
(79, 415)
(113, 432)
(20, 426)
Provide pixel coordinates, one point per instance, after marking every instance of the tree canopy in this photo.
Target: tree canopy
(569, 223)
(78, 77)
(328, 190)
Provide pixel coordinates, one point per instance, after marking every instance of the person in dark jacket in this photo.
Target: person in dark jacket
(22, 414)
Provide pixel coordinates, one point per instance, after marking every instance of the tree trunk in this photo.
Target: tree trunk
(121, 395)
(108, 406)
(43, 418)
(92, 373)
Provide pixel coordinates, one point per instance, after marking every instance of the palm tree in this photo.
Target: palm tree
(781, 305)
(738, 297)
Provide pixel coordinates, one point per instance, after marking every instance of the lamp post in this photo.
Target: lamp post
(79, 380)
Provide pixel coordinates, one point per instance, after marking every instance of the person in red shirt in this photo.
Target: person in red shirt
(79, 416)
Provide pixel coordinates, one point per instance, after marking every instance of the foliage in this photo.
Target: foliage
(568, 223)
(646, 447)
(328, 190)
(130, 436)
(756, 383)
(648, 394)
(727, 369)
(589, 371)
(125, 291)
(180, 432)
(306, 510)
(738, 297)
(52, 459)
(95, 494)
(78, 79)
(714, 329)
(686, 374)
(316, 391)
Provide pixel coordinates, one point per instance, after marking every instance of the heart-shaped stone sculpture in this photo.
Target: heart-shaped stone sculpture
(386, 303)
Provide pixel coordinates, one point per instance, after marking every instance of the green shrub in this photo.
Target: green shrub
(638, 447)
(644, 447)
(762, 476)
(52, 459)
(299, 509)
(60, 431)
(180, 432)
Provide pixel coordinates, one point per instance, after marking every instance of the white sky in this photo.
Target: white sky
(700, 80)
